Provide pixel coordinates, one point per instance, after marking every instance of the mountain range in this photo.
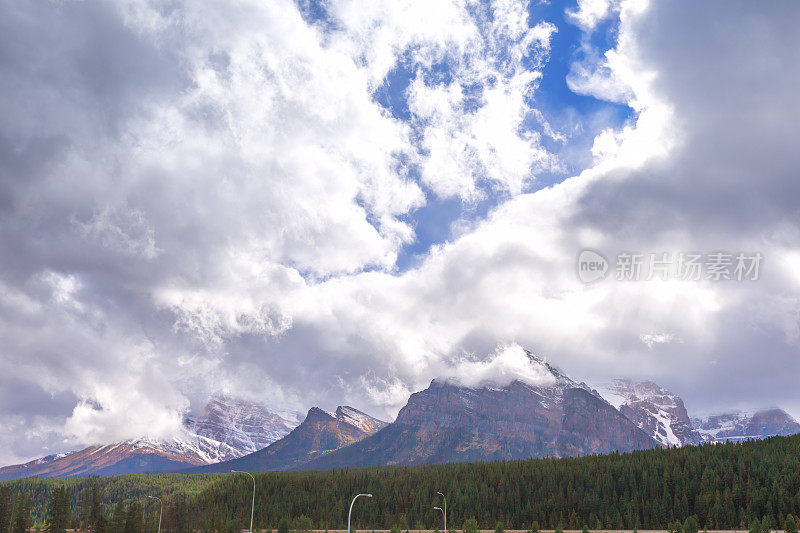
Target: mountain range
(743, 425)
(662, 414)
(319, 434)
(225, 429)
(449, 422)
(553, 416)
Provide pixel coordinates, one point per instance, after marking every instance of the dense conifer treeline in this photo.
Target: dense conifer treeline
(722, 486)
(90, 501)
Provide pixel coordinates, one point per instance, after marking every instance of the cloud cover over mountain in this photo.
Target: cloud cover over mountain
(196, 199)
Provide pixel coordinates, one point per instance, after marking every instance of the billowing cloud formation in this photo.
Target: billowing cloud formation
(197, 199)
(506, 364)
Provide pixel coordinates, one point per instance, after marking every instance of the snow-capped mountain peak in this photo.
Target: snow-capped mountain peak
(743, 425)
(558, 377)
(659, 412)
(508, 364)
(225, 429)
(244, 426)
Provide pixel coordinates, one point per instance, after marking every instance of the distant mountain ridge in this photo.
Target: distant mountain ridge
(111, 459)
(663, 415)
(320, 433)
(226, 428)
(743, 425)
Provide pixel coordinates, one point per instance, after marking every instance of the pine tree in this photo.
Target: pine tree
(85, 512)
(470, 526)
(118, 518)
(585, 529)
(690, 525)
(95, 509)
(790, 526)
(534, 527)
(133, 519)
(101, 524)
(5, 508)
(58, 514)
(22, 514)
(755, 526)
(499, 528)
(302, 524)
(179, 516)
(559, 528)
(283, 525)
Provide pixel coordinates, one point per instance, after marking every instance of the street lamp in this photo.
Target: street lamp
(444, 512)
(351, 509)
(253, 505)
(445, 520)
(160, 510)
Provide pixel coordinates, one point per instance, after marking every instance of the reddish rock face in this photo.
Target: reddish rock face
(447, 422)
(112, 459)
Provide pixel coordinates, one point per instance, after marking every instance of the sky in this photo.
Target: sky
(318, 203)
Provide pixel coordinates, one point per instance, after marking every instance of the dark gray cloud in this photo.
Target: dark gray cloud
(733, 172)
(730, 183)
(20, 397)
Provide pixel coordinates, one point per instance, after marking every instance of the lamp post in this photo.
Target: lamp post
(252, 505)
(445, 520)
(351, 509)
(160, 510)
(444, 512)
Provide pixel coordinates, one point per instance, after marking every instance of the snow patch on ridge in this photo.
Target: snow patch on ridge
(613, 397)
(357, 419)
(665, 423)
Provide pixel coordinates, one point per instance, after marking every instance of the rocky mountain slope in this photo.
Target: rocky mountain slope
(657, 411)
(245, 426)
(126, 457)
(663, 415)
(743, 425)
(320, 433)
(450, 422)
(224, 430)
